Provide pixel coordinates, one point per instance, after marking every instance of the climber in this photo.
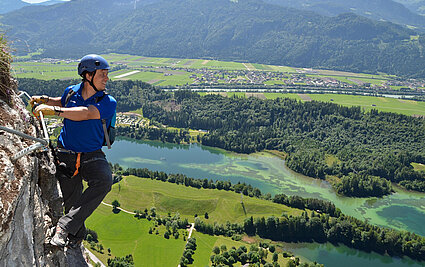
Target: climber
(86, 108)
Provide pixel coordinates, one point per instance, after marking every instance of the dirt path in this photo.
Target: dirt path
(305, 97)
(153, 81)
(248, 66)
(93, 257)
(126, 211)
(192, 227)
(257, 95)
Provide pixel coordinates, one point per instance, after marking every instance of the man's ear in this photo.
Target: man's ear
(88, 75)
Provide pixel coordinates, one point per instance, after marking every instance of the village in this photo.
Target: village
(306, 77)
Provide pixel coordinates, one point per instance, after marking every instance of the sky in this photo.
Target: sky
(34, 1)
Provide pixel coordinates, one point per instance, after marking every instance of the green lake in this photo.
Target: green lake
(401, 210)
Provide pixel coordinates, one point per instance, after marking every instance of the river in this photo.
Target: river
(401, 210)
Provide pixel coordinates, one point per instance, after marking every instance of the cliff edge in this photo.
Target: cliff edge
(30, 199)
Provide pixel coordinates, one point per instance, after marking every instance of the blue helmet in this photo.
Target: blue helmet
(91, 63)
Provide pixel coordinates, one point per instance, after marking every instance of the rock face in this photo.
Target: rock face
(30, 199)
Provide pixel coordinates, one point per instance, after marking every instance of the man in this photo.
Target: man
(79, 155)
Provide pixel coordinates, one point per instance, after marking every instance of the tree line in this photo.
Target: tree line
(371, 148)
(320, 221)
(321, 228)
(130, 95)
(321, 206)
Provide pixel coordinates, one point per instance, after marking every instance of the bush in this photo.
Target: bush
(7, 85)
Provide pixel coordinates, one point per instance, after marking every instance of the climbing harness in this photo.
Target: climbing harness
(41, 143)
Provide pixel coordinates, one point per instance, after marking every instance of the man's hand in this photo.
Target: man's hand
(47, 110)
(39, 100)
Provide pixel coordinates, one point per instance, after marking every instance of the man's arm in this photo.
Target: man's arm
(47, 100)
(54, 101)
(74, 113)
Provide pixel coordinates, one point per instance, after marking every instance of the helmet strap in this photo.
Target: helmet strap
(91, 82)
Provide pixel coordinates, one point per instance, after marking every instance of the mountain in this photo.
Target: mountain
(417, 6)
(387, 10)
(246, 30)
(10, 5)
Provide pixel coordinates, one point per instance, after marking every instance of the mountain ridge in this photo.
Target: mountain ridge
(248, 30)
(387, 10)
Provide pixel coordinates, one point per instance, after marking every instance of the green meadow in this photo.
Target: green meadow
(135, 193)
(206, 243)
(124, 234)
(386, 104)
(367, 103)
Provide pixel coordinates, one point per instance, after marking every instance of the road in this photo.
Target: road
(93, 257)
(192, 227)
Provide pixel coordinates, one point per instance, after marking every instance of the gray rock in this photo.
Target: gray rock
(30, 199)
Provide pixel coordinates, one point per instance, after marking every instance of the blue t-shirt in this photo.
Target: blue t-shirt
(87, 135)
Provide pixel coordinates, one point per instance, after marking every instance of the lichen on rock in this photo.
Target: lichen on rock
(30, 199)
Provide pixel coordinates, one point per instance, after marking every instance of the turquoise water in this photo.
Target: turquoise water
(337, 256)
(401, 210)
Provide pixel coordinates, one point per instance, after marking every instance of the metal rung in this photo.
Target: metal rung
(26, 151)
(41, 143)
(12, 131)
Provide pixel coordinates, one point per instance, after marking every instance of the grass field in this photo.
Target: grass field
(63, 70)
(406, 107)
(137, 194)
(124, 234)
(206, 243)
(386, 104)
(418, 166)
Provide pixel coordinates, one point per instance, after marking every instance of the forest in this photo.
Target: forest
(320, 222)
(130, 95)
(370, 149)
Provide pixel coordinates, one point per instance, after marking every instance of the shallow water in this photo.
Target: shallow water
(401, 210)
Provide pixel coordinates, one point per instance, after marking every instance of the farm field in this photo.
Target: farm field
(135, 193)
(61, 69)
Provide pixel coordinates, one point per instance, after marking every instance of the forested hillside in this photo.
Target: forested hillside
(417, 6)
(10, 5)
(364, 150)
(375, 9)
(246, 30)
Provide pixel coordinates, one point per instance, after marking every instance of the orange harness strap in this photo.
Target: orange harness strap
(77, 164)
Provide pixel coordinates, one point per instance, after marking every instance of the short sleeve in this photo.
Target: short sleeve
(106, 107)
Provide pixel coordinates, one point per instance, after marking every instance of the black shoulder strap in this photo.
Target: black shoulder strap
(68, 96)
(98, 99)
(105, 130)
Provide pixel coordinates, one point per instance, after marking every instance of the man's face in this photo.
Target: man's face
(100, 79)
